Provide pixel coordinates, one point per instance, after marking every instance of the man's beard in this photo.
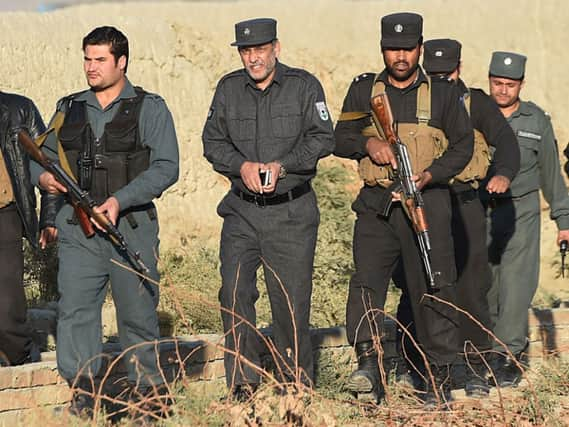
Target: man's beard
(397, 74)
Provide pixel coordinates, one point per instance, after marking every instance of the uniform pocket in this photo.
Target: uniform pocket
(242, 124)
(121, 139)
(286, 120)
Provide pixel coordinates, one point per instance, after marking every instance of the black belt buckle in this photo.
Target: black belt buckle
(260, 201)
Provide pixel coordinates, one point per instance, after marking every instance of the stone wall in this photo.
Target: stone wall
(28, 390)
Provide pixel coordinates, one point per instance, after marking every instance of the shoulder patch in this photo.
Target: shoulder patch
(364, 76)
(322, 111)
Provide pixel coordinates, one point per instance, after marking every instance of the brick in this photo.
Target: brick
(21, 378)
(213, 370)
(6, 378)
(50, 395)
(45, 376)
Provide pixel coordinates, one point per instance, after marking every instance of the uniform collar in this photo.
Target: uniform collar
(90, 98)
(277, 78)
(523, 110)
(421, 78)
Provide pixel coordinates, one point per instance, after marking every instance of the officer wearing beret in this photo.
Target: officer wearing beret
(426, 112)
(266, 129)
(120, 143)
(441, 59)
(514, 217)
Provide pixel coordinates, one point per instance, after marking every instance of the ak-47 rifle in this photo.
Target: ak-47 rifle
(82, 202)
(411, 196)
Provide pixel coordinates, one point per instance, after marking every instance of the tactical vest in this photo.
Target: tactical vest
(425, 143)
(104, 165)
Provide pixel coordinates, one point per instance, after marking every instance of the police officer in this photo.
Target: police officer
(18, 219)
(120, 143)
(266, 129)
(441, 59)
(514, 217)
(427, 114)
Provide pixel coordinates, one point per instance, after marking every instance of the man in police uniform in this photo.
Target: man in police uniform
(120, 143)
(383, 237)
(18, 219)
(441, 59)
(514, 217)
(267, 118)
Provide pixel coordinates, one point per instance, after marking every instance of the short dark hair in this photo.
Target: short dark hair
(111, 36)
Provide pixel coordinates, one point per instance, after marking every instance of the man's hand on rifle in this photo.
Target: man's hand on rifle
(422, 179)
(110, 209)
(48, 183)
(47, 235)
(562, 235)
(380, 152)
(498, 184)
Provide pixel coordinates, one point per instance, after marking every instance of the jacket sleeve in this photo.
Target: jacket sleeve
(317, 134)
(50, 203)
(551, 181)
(350, 143)
(458, 130)
(218, 148)
(487, 118)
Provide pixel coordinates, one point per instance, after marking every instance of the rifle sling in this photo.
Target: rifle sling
(55, 126)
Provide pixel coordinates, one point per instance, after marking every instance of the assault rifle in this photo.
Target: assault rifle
(82, 202)
(411, 196)
(563, 251)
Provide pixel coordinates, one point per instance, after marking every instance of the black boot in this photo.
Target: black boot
(476, 384)
(507, 371)
(82, 401)
(438, 394)
(242, 393)
(364, 383)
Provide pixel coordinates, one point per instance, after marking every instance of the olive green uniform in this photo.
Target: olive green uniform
(513, 224)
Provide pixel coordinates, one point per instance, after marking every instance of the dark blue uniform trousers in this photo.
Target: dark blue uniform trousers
(85, 269)
(281, 238)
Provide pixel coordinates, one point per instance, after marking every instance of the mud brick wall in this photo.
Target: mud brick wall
(30, 389)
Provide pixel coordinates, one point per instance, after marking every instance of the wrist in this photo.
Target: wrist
(282, 170)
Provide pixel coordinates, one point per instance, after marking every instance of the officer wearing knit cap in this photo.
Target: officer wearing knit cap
(514, 217)
(382, 235)
(441, 59)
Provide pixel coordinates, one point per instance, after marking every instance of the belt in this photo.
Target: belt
(499, 201)
(464, 196)
(261, 200)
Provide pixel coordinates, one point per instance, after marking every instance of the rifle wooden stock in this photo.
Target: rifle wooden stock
(81, 201)
(411, 196)
(39, 156)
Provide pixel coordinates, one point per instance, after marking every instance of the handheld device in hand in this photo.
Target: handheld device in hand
(266, 177)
